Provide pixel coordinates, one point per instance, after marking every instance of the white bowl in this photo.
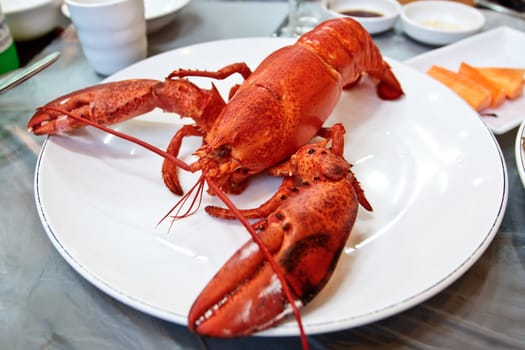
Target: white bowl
(30, 19)
(440, 22)
(387, 12)
(158, 13)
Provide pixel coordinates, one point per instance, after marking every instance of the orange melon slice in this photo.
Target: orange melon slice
(475, 95)
(511, 79)
(497, 91)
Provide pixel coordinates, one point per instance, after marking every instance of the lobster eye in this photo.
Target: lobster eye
(243, 171)
(223, 151)
(311, 151)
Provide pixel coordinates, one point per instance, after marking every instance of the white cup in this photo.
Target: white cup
(112, 33)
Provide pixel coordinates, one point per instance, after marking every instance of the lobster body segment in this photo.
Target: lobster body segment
(295, 115)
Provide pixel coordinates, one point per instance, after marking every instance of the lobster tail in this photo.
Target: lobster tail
(348, 48)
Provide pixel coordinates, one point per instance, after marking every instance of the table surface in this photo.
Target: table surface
(45, 304)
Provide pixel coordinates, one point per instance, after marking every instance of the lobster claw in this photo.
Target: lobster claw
(243, 297)
(104, 104)
(305, 228)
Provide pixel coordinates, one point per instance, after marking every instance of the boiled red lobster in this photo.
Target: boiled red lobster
(268, 123)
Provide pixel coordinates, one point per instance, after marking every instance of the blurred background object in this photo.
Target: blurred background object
(518, 5)
(30, 19)
(8, 55)
(467, 2)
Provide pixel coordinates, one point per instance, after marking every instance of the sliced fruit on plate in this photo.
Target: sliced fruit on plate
(496, 90)
(511, 79)
(474, 94)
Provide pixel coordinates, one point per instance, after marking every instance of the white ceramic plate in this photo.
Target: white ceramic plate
(158, 13)
(520, 152)
(502, 46)
(439, 194)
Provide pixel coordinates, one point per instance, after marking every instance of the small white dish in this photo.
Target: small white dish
(376, 16)
(30, 19)
(158, 13)
(520, 152)
(504, 47)
(440, 22)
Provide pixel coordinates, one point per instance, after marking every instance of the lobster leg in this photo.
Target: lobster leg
(285, 190)
(169, 169)
(223, 73)
(305, 233)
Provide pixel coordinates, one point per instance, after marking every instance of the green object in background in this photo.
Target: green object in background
(8, 56)
(8, 59)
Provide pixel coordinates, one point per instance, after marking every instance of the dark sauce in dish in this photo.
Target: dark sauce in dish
(360, 13)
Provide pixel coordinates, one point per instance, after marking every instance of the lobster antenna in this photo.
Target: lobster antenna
(267, 255)
(121, 135)
(192, 208)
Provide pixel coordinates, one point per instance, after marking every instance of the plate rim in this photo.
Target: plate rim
(519, 152)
